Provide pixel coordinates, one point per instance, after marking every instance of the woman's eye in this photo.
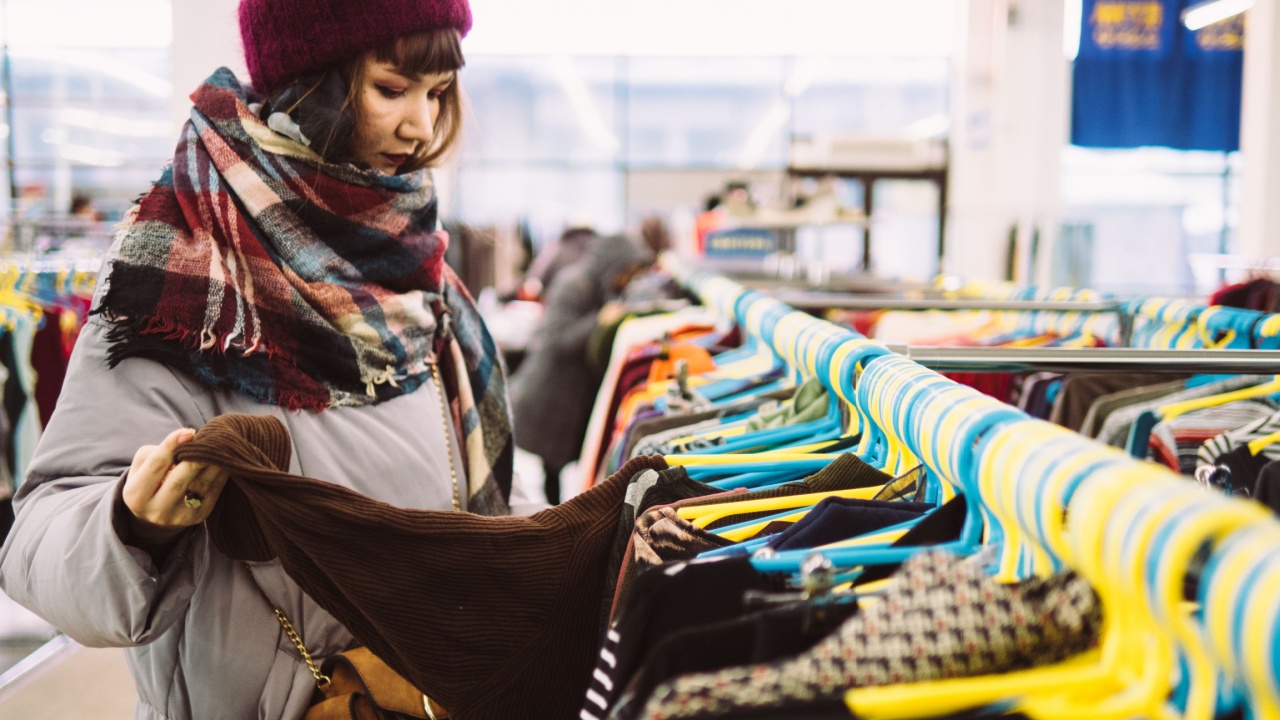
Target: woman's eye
(435, 94)
(389, 93)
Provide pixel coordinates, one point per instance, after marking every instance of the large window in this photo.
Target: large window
(601, 112)
(88, 112)
(557, 140)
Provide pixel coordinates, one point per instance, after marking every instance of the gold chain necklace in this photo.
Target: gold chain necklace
(448, 439)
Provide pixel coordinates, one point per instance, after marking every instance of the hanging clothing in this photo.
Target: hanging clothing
(1245, 433)
(943, 617)
(754, 637)
(26, 426)
(809, 403)
(660, 603)
(631, 333)
(49, 361)
(846, 472)
(1081, 390)
(1234, 473)
(1267, 490)
(1177, 442)
(835, 519)
(1115, 431)
(1102, 408)
(506, 630)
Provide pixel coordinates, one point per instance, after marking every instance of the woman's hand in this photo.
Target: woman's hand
(166, 499)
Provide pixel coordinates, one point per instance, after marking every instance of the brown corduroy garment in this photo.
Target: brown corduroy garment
(492, 617)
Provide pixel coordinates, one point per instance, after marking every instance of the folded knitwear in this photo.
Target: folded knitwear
(491, 617)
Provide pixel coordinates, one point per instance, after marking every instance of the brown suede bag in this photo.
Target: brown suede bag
(358, 685)
(363, 687)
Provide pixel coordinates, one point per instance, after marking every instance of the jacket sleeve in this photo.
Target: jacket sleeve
(64, 558)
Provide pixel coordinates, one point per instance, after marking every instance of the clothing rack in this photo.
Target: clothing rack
(1057, 499)
(1259, 362)
(1067, 314)
(833, 301)
(34, 290)
(1158, 322)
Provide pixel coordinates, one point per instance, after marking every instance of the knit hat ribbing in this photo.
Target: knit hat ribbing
(287, 38)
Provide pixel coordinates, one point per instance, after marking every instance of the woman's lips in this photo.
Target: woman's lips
(396, 159)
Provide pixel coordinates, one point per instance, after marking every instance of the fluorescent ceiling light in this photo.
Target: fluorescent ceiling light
(96, 63)
(584, 107)
(1208, 13)
(766, 130)
(90, 156)
(115, 125)
(808, 71)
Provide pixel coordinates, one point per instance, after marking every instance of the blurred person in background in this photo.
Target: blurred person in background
(572, 245)
(655, 234)
(554, 389)
(82, 208)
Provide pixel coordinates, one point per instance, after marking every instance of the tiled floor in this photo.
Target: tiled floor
(46, 676)
(21, 633)
(76, 682)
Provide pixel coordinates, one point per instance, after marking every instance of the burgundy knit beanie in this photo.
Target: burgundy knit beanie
(287, 38)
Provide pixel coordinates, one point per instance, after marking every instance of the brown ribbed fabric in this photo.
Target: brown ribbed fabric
(492, 617)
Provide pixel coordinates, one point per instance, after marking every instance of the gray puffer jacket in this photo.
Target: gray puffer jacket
(203, 640)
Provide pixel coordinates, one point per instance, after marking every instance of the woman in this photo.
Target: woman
(554, 388)
(287, 263)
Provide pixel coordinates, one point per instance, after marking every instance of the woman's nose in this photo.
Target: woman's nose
(417, 123)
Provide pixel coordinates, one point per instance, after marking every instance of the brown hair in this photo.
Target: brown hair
(425, 53)
(331, 98)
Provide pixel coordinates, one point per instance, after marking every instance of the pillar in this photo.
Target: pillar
(206, 36)
(1259, 233)
(1009, 113)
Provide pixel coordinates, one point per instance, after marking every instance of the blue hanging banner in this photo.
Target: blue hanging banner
(1136, 30)
(1143, 79)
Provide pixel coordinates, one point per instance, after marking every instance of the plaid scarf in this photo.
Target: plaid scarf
(256, 266)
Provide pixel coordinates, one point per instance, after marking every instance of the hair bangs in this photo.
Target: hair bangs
(424, 53)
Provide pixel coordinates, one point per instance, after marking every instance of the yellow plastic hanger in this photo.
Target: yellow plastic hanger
(1174, 410)
(703, 460)
(1045, 695)
(12, 298)
(1128, 639)
(703, 515)
(899, 458)
(1260, 614)
(1250, 551)
(1205, 334)
(749, 531)
(1265, 597)
(1257, 446)
(1198, 521)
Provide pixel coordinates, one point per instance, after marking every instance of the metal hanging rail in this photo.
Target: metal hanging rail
(1260, 362)
(834, 301)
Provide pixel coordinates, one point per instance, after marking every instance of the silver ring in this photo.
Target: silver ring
(192, 500)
